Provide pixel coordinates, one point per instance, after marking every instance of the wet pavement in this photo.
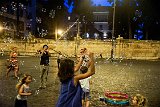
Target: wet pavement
(127, 76)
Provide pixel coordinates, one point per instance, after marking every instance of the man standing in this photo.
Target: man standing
(44, 62)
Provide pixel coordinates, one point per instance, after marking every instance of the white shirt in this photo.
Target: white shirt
(85, 83)
(25, 90)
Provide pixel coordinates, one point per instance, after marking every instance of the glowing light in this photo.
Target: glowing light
(1, 28)
(105, 35)
(87, 34)
(60, 31)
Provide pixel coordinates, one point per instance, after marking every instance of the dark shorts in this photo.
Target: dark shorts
(86, 95)
(58, 60)
(20, 103)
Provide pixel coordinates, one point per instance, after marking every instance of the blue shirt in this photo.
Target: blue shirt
(70, 95)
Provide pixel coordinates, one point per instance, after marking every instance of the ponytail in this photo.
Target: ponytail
(21, 82)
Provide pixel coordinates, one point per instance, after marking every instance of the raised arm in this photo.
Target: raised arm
(88, 73)
(49, 54)
(11, 54)
(78, 65)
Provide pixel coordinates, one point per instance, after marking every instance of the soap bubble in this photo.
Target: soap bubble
(36, 92)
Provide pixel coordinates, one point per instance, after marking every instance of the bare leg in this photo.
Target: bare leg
(87, 103)
(8, 70)
(16, 71)
(83, 104)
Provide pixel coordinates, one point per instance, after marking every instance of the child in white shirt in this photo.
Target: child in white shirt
(85, 88)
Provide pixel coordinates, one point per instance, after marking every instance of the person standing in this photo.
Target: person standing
(71, 92)
(13, 63)
(23, 91)
(86, 58)
(60, 56)
(44, 63)
(85, 85)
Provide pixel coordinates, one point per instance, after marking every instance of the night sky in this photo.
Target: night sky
(143, 15)
(101, 3)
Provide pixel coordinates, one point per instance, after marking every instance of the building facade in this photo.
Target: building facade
(101, 15)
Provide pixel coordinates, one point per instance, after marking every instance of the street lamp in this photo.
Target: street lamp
(114, 11)
(59, 32)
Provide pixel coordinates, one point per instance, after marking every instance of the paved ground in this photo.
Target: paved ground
(129, 76)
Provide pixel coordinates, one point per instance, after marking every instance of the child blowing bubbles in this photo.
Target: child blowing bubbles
(23, 91)
(71, 92)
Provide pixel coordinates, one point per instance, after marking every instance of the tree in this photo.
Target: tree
(84, 11)
(125, 11)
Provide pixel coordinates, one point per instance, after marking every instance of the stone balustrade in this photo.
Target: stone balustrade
(127, 49)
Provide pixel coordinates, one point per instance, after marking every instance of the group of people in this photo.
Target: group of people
(74, 78)
(75, 88)
(23, 85)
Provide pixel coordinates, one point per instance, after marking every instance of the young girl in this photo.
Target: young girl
(23, 91)
(13, 63)
(71, 92)
(139, 101)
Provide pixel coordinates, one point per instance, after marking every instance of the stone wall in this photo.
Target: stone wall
(125, 49)
(132, 49)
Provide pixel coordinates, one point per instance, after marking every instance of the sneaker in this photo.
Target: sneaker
(17, 78)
